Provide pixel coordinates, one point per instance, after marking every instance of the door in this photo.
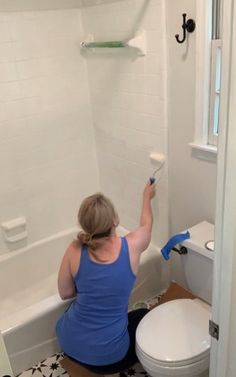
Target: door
(223, 362)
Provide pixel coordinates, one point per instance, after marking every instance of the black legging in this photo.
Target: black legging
(134, 317)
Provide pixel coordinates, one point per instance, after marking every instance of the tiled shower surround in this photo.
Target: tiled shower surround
(72, 123)
(128, 95)
(47, 145)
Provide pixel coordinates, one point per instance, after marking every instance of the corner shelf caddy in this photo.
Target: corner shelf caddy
(138, 43)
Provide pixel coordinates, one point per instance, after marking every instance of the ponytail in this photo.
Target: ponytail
(92, 243)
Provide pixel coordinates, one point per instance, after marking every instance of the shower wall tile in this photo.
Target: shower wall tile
(128, 96)
(6, 52)
(8, 72)
(47, 144)
(33, 5)
(5, 35)
(10, 91)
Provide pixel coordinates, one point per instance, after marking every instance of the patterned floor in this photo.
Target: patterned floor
(51, 367)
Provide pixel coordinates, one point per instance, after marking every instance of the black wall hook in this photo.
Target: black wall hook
(188, 26)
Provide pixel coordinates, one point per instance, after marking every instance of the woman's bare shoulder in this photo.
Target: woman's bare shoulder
(74, 245)
(74, 252)
(139, 239)
(73, 248)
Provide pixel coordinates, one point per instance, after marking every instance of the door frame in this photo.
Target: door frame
(225, 221)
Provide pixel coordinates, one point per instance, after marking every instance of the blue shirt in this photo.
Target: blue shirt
(94, 328)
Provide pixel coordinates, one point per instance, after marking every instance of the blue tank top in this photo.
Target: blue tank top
(94, 328)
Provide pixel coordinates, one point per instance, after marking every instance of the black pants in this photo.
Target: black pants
(134, 317)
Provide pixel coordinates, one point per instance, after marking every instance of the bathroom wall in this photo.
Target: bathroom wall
(192, 182)
(27, 5)
(128, 95)
(47, 147)
(45, 104)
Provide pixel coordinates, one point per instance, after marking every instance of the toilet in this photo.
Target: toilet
(173, 339)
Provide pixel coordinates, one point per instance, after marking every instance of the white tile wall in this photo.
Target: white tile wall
(47, 146)
(129, 105)
(47, 149)
(29, 5)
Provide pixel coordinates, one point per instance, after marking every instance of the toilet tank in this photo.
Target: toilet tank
(198, 262)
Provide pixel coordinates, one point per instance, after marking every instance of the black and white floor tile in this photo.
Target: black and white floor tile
(51, 367)
(153, 301)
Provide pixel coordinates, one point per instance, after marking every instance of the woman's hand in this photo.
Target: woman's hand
(149, 191)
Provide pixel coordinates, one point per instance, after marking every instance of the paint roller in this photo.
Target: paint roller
(157, 160)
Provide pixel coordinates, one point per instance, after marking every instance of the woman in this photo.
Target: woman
(99, 269)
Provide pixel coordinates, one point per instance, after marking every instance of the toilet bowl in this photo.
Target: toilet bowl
(172, 340)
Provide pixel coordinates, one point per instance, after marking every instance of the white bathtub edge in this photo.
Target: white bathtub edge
(20, 318)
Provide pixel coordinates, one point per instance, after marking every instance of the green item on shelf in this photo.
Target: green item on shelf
(112, 44)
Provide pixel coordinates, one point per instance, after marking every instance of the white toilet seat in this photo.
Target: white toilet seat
(173, 338)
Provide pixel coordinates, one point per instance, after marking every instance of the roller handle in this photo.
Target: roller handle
(152, 180)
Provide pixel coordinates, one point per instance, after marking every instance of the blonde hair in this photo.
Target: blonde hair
(96, 217)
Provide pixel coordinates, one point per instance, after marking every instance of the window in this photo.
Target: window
(215, 77)
(208, 77)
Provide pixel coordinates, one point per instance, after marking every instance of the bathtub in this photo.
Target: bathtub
(30, 304)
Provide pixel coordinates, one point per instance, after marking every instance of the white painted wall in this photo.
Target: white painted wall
(47, 147)
(129, 105)
(192, 181)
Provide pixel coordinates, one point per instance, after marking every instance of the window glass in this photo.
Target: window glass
(215, 74)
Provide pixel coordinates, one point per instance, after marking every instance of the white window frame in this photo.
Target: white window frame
(201, 147)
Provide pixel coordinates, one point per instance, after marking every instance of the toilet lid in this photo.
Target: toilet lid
(175, 331)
